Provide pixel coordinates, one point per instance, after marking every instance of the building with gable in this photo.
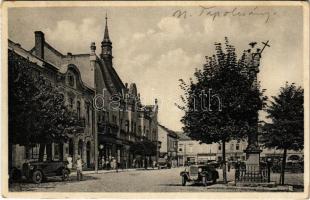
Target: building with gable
(115, 122)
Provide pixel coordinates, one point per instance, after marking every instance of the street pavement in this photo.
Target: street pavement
(164, 180)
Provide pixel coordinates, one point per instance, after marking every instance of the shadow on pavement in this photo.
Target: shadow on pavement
(26, 185)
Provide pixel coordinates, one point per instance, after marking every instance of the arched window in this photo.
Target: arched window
(78, 108)
(71, 80)
(71, 102)
(88, 113)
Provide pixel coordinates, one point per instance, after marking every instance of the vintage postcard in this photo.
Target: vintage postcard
(175, 99)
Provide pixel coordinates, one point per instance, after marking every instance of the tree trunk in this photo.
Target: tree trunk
(49, 152)
(283, 166)
(224, 162)
(41, 152)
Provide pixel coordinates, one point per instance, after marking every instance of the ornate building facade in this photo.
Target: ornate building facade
(114, 120)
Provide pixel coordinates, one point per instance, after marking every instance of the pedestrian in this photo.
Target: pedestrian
(69, 159)
(79, 168)
(103, 162)
(107, 164)
(113, 164)
(154, 164)
(134, 163)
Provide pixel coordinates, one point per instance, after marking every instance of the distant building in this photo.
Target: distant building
(191, 151)
(169, 144)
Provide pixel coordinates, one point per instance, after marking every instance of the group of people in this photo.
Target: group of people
(79, 166)
(105, 164)
(110, 164)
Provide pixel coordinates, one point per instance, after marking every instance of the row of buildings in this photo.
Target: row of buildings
(115, 122)
(182, 150)
(191, 151)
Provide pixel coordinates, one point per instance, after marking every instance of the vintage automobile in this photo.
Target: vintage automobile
(199, 174)
(163, 163)
(39, 171)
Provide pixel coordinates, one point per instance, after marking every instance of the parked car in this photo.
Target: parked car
(39, 171)
(199, 174)
(163, 163)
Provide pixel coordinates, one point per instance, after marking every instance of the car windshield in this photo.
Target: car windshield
(193, 170)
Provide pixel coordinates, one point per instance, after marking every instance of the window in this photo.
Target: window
(139, 129)
(71, 103)
(78, 108)
(175, 144)
(220, 147)
(190, 150)
(32, 152)
(180, 149)
(237, 146)
(127, 126)
(71, 80)
(114, 119)
(108, 117)
(88, 113)
(232, 147)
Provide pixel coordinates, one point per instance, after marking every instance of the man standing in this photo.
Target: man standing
(79, 168)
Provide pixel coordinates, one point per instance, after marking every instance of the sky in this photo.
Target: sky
(154, 49)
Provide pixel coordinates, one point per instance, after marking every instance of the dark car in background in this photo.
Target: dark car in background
(199, 174)
(163, 163)
(39, 171)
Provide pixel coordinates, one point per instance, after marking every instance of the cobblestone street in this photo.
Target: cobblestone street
(165, 180)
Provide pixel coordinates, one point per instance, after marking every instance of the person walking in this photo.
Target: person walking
(79, 168)
(103, 163)
(69, 159)
(154, 164)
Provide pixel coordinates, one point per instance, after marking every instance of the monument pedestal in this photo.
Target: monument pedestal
(252, 173)
(253, 157)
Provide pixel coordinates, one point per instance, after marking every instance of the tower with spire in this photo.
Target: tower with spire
(106, 45)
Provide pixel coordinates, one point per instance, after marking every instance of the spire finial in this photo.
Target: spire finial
(106, 31)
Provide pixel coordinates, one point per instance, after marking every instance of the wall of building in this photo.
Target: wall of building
(163, 138)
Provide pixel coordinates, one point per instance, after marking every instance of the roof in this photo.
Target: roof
(44, 63)
(183, 136)
(61, 62)
(170, 132)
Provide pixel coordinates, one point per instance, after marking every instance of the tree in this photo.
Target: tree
(221, 103)
(37, 111)
(286, 131)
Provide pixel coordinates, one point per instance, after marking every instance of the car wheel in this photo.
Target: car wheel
(37, 177)
(15, 174)
(65, 174)
(183, 180)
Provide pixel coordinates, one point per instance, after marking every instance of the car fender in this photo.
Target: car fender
(185, 174)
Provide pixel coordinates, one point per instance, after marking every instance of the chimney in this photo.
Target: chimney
(39, 44)
(93, 48)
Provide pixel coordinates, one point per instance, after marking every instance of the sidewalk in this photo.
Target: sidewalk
(103, 171)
